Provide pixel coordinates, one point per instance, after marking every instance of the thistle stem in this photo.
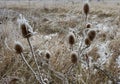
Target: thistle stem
(33, 54)
(29, 67)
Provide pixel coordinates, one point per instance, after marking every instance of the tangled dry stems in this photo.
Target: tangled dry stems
(58, 76)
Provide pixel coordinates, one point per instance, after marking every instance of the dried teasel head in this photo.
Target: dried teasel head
(18, 47)
(74, 57)
(91, 35)
(26, 33)
(71, 38)
(47, 55)
(86, 8)
(24, 30)
(87, 42)
(88, 25)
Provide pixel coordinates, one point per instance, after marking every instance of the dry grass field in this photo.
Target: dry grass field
(97, 62)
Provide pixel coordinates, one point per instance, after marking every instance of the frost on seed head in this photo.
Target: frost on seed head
(18, 47)
(26, 29)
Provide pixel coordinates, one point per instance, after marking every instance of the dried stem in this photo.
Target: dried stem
(71, 68)
(59, 75)
(89, 74)
(33, 54)
(106, 73)
(81, 44)
(30, 67)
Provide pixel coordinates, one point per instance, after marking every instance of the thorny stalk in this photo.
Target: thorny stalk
(30, 67)
(87, 61)
(33, 54)
(80, 45)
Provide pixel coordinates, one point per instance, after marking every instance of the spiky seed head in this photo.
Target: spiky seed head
(86, 8)
(87, 42)
(71, 38)
(88, 25)
(91, 35)
(18, 47)
(48, 55)
(25, 32)
(74, 57)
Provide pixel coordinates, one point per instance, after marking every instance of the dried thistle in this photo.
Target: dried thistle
(87, 41)
(24, 30)
(26, 33)
(88, 25)
(18, 47)
(86, 9)
(91, 35)
(74, 57)
(71, 39)
(19, 50)
(48, 55)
